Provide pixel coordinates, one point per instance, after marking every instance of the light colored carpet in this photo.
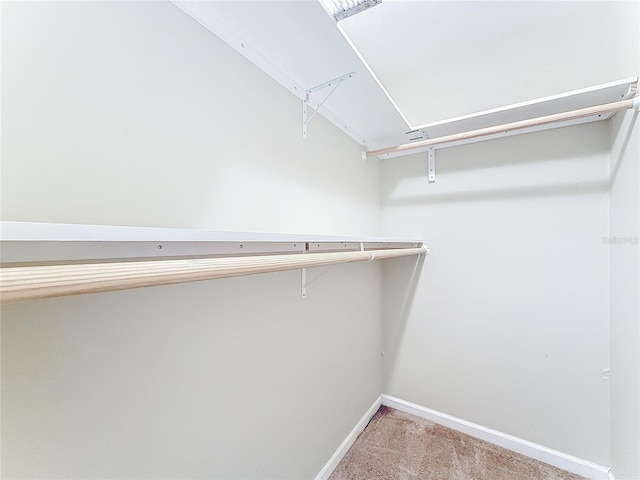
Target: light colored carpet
(399, 446)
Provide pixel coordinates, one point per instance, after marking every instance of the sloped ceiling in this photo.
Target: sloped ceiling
(440, 59)
(419, 62)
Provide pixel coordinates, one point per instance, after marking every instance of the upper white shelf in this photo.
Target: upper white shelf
(575, 100)
(299, 45)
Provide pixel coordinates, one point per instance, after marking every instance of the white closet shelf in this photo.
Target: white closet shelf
(586, 105)
(51, 260)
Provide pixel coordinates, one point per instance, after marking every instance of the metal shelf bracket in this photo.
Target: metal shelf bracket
(431, 158)
(303, 281)
(305, 103)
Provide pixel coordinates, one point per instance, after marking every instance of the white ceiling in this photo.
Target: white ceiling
(486, 54)
(400, 36)
(420, 62)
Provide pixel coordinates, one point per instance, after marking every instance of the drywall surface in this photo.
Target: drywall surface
(625, 266)
(625, 269)
(507, 324)
(131, 113)
(230, 379)
(625, 297)
(135, 115)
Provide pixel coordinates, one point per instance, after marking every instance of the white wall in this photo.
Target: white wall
(625, 270)
(508, 325)
(625, 297)
(132, 114)
(146, 118)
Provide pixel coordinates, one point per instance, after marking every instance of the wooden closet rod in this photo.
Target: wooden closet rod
(46, 281)
(532, 122)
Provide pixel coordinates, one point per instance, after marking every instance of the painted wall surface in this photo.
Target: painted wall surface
(625, 270)
(625, 297)
(142, 117)
(131, 113)
(507, 325)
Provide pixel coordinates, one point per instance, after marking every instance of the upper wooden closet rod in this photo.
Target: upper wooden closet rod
(45, 281)
(558, 117)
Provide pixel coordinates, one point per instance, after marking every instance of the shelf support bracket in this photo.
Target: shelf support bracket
(306, 283)
(431, 159)
(335, 83)
(303, 281)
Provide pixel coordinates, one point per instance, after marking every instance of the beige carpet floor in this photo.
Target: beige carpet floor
(399, 446)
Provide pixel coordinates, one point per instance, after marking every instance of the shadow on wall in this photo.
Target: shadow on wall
(580, 188)
(400, 291)
(543, 164)
(616, 159)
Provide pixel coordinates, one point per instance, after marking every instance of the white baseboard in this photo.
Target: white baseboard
(552, 457)
(344, 447)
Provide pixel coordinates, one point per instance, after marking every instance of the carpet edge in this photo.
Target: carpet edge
(533, 450)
